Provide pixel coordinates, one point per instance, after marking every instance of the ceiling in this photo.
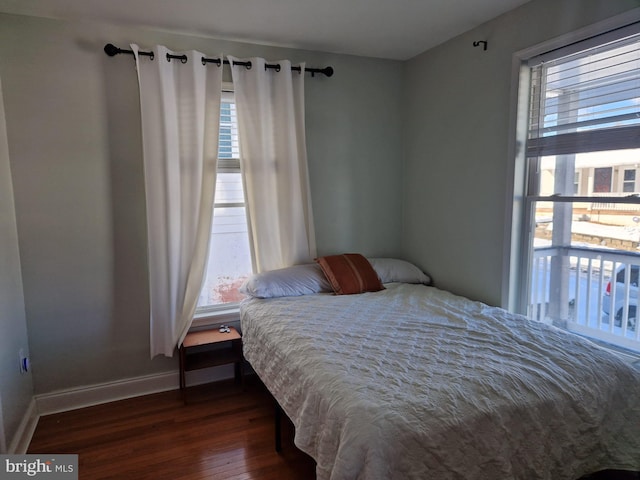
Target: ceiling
(393, 29)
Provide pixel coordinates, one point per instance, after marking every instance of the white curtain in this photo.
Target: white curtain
(180, 109)
(270, 109)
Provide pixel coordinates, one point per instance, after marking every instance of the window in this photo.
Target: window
(629, 181)
(229, 261)
(582, 151)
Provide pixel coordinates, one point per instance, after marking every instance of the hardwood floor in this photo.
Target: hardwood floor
(223, 433)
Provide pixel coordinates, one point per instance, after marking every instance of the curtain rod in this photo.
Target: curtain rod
(111, 50)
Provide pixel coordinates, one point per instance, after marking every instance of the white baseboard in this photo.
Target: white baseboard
(20, 442)
(87, 396)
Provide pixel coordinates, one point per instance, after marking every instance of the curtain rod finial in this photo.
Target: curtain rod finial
(111, 50)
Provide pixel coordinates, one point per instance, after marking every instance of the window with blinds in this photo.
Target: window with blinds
(229, 260)
(581, 225)
(587, 101)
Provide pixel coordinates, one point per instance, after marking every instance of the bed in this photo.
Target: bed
(413, 382)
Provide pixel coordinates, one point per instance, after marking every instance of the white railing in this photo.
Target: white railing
(623, 207)
(619, 207)
(581, 279)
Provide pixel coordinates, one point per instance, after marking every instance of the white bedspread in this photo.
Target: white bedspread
(415, 383)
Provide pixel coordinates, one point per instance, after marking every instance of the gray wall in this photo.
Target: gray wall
(74, 143)
(457, 123)
(16, 389)
(74, 138)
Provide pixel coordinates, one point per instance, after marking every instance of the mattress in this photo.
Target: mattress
(413, 382)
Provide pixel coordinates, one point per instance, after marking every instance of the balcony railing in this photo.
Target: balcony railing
(593, 292)
(610, 206)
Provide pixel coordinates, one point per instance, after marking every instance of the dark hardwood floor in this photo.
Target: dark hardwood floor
(223, 433)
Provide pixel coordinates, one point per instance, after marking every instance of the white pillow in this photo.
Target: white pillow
(396, 270)
(287, 282)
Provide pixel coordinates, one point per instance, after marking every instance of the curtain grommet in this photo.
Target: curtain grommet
(183, 58)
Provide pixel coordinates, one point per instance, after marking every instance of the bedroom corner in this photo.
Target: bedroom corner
(16, 385)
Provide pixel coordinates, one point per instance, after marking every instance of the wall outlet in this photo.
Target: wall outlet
(23, 361)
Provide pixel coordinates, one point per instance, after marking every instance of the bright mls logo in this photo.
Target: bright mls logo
(62, 467)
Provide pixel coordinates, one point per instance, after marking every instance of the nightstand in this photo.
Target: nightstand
(210, 348)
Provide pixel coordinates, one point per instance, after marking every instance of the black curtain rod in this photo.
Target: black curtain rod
(111, 50)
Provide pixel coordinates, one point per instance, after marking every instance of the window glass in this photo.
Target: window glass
(582, 219)
(229, 260)
(629, 184)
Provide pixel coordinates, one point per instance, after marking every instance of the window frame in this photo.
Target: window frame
(544, 289)
(518, 212)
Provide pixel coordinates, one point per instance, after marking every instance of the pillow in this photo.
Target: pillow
(350, 273)
(287, 282)
(395, 270)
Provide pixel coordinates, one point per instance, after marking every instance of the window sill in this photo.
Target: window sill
(216, 318)
(629, 356)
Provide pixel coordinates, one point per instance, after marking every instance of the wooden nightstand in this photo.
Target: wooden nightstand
(210, 348)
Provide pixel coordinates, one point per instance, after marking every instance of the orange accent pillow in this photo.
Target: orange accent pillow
(350, 273)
